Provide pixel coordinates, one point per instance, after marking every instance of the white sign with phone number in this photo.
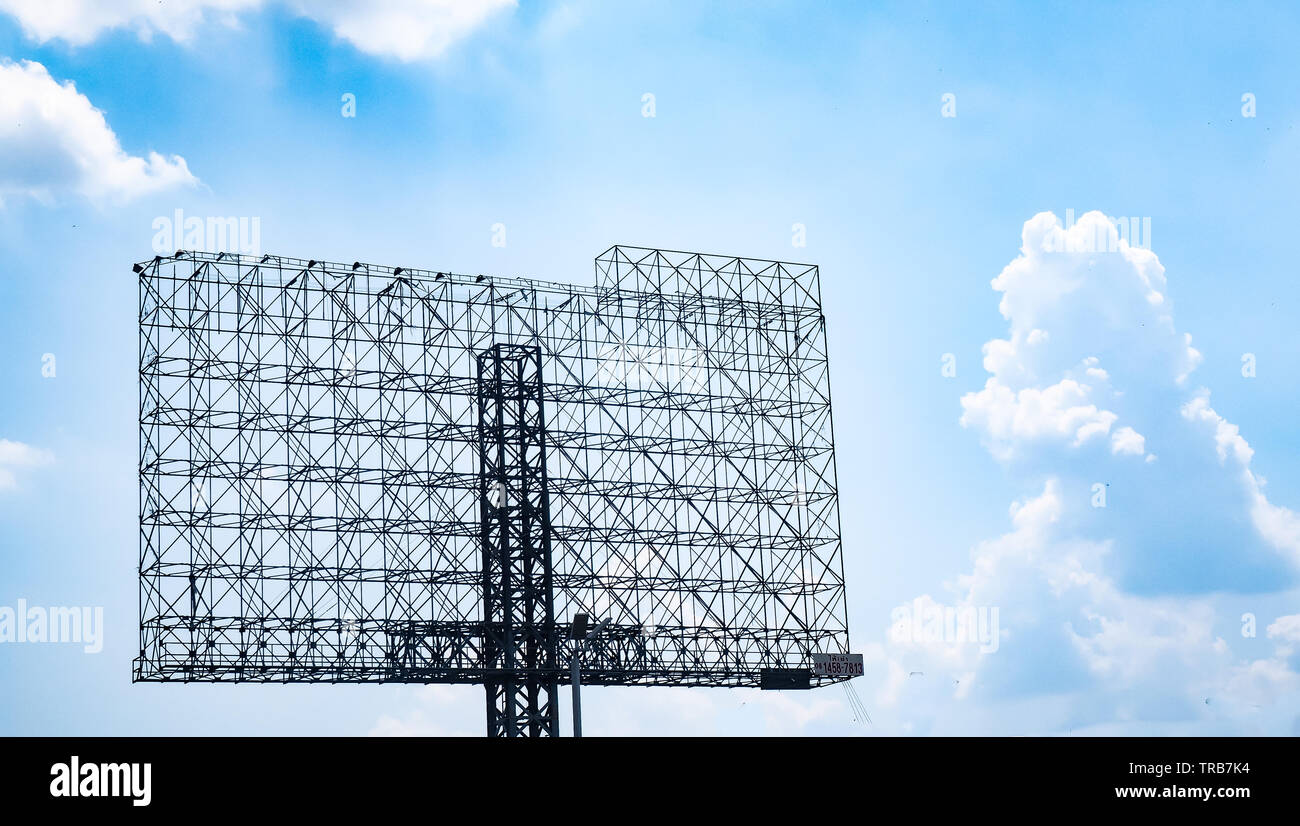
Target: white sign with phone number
(837, 665)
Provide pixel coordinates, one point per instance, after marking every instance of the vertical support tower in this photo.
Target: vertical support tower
(520, 637)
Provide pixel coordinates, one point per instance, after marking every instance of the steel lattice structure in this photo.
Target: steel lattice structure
(352, 473)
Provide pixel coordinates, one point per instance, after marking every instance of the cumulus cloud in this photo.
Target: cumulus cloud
(1126, 440)
(1279, 526)
(1076, 316)
(1093, 356)
(1059, 612)
(1013, 417)
(53, 140)
(1068, 630)
(1108, 606)
(405, 29)
(15, 455)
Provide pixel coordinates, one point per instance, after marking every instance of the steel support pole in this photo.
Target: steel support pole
(577, 694)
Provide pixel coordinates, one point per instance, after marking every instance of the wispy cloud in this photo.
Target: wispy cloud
(404, 29)
(15, 455)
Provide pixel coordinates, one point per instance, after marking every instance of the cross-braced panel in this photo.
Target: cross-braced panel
(310, 468)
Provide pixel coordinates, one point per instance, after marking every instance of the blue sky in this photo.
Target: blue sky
(1123, 619)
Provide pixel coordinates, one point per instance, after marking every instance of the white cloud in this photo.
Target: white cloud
(1264, 682)
(433, 711)
(1064, 307)
(1227, 436)
(1126, 440)
(1279, 526)
(80, 21)
(18, 455)
(1012, 417)
(1092, 356)
(1285, 628)
(53, 140)
(1069, 630)
(405, 29)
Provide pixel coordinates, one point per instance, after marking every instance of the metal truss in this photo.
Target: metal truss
(317, 480)
(520, 635)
